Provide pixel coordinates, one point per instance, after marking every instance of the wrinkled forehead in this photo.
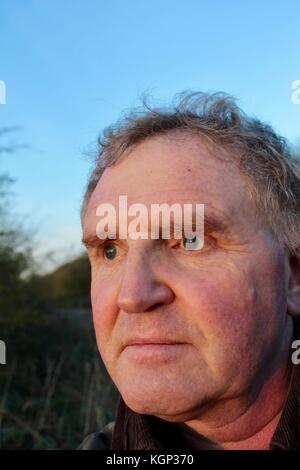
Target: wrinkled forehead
(170, 171)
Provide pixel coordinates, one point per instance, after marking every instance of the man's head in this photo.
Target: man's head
(226, 308)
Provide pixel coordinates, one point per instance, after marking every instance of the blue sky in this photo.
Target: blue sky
(72, 67)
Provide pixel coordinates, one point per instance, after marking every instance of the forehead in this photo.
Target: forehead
(174, 169)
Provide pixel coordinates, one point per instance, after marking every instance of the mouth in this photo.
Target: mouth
(153, 350)
(153, 341)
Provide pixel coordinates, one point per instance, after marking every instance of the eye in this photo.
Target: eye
(192, 243)
(110, 251)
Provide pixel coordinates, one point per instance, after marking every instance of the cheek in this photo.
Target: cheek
(221, 311)
(103, 298)
(227, 312)
(237, 310)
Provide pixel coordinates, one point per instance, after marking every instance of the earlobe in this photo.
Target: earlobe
(293, 294)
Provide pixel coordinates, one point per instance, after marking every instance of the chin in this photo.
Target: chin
(167, 406)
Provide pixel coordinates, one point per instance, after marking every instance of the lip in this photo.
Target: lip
(147, 352)
(145, 341)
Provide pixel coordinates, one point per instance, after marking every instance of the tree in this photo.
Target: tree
(54, 386)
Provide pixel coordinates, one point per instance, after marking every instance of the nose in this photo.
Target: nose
(142, 289)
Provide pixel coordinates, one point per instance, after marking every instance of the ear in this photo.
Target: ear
(293, 294)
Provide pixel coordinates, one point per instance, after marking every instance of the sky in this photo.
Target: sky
(72, 67)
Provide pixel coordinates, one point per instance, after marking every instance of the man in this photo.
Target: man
(199, 342)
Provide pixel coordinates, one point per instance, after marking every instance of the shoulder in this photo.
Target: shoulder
(100, 440)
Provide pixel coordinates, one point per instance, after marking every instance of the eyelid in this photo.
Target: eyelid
(207, 241)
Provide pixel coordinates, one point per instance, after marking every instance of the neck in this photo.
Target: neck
(260, 440)
(247, 422)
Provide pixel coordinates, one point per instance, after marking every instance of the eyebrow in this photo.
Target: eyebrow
(212, 224)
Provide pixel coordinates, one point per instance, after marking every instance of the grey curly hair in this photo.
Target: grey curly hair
(264, 157)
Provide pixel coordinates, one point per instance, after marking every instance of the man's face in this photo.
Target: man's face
(223, 307)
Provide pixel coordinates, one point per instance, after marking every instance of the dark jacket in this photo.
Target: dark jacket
(133, 431)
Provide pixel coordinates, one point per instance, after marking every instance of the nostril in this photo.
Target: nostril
(154, 307)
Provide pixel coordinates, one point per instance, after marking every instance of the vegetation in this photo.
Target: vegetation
(54, 388)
